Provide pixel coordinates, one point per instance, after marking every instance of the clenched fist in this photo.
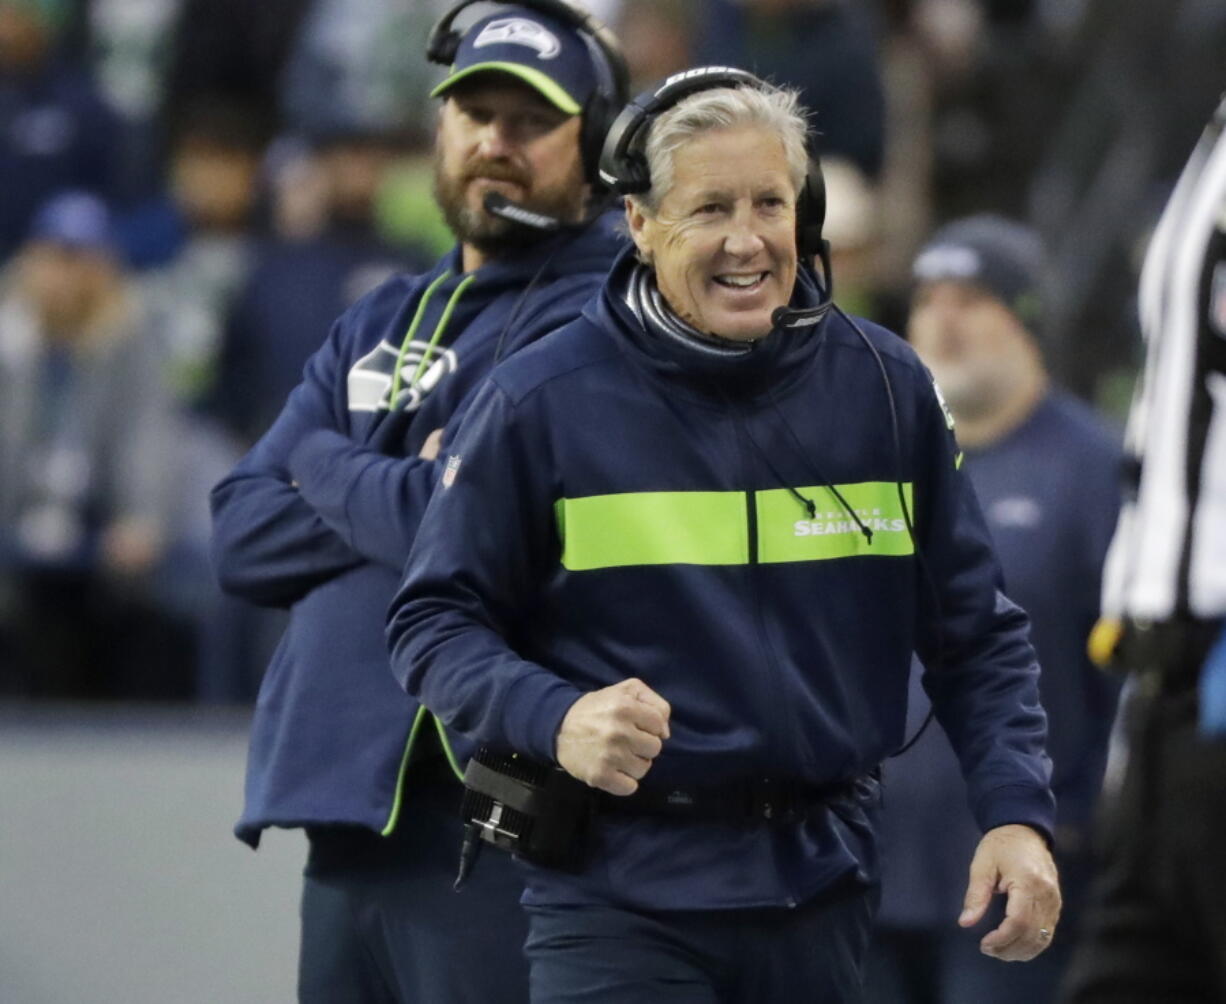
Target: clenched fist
(609, 737)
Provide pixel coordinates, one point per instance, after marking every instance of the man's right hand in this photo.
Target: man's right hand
(610, 737)
(429, 449)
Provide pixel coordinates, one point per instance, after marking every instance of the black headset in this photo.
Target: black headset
(623, 161)
(612, 75)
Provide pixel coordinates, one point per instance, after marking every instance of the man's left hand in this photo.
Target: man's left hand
(1014, 860)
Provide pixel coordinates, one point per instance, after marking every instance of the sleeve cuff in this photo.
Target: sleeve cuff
(1022, 804)
(533, 712)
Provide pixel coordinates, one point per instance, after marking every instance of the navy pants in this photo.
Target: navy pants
(602, 954)
(381, 923)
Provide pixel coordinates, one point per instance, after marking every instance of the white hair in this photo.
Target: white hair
(774, 109)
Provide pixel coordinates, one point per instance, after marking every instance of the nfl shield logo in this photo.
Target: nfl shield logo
(449, 473)
(1217, 299)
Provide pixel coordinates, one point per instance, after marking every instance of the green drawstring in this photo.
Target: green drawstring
(408, 338)
(420, 718)
(441, 327)
(434, 338)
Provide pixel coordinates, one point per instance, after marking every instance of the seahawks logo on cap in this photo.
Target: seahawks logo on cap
(947, 261)
(519, 31)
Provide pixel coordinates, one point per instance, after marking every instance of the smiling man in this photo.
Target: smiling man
(320, 515)
(620, 578)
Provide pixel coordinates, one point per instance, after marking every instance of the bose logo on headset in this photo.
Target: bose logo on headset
(518, 31)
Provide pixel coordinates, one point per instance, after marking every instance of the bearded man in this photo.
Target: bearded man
(320, 515)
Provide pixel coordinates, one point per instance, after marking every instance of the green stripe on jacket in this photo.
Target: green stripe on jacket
(713, 528)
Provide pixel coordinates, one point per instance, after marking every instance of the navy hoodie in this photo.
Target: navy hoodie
(320, 515)
(619, 505)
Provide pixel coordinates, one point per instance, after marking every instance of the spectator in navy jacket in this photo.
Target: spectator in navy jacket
(1045, 468)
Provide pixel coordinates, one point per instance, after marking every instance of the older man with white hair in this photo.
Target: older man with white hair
(682, 555)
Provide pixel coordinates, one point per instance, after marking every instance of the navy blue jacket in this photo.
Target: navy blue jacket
(617, 505)
(1050, 494)
(320, 515)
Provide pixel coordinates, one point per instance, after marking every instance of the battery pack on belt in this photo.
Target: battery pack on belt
(542, 814)
(534, 810)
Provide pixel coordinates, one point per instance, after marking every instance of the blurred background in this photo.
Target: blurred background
(192, 190)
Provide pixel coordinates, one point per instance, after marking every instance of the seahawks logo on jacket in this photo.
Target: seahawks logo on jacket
(371, 377)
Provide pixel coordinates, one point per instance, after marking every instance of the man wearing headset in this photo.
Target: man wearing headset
(319, 516)
(684, 549)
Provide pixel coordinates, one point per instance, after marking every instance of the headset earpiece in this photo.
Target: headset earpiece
(612, 73)
(811, 211)
(444, 41)
(623, 161)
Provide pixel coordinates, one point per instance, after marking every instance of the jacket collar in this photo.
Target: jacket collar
(772, 364)
(573, 249)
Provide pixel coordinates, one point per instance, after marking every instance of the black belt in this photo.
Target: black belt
(1174, 649)
(771, 799)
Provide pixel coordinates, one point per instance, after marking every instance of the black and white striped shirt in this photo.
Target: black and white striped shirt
(1168, 557)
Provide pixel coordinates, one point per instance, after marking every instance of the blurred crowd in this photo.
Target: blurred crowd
(193, 190)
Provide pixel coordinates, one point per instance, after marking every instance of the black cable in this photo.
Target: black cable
(573, 232)
(826, 482)
(925, 569)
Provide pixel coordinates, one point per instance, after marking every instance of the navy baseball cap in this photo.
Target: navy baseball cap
(76, 220)
(1004, 257)
(546, 54)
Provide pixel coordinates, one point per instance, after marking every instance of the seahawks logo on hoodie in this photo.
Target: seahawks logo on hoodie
(371, 377)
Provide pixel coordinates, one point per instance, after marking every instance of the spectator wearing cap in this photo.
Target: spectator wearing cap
(86, 464)
(1044, 467)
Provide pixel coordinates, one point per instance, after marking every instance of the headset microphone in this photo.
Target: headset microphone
(788, 317)
(792, 317)
(497, 204)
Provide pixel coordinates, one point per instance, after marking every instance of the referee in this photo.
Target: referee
(1157, 930)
